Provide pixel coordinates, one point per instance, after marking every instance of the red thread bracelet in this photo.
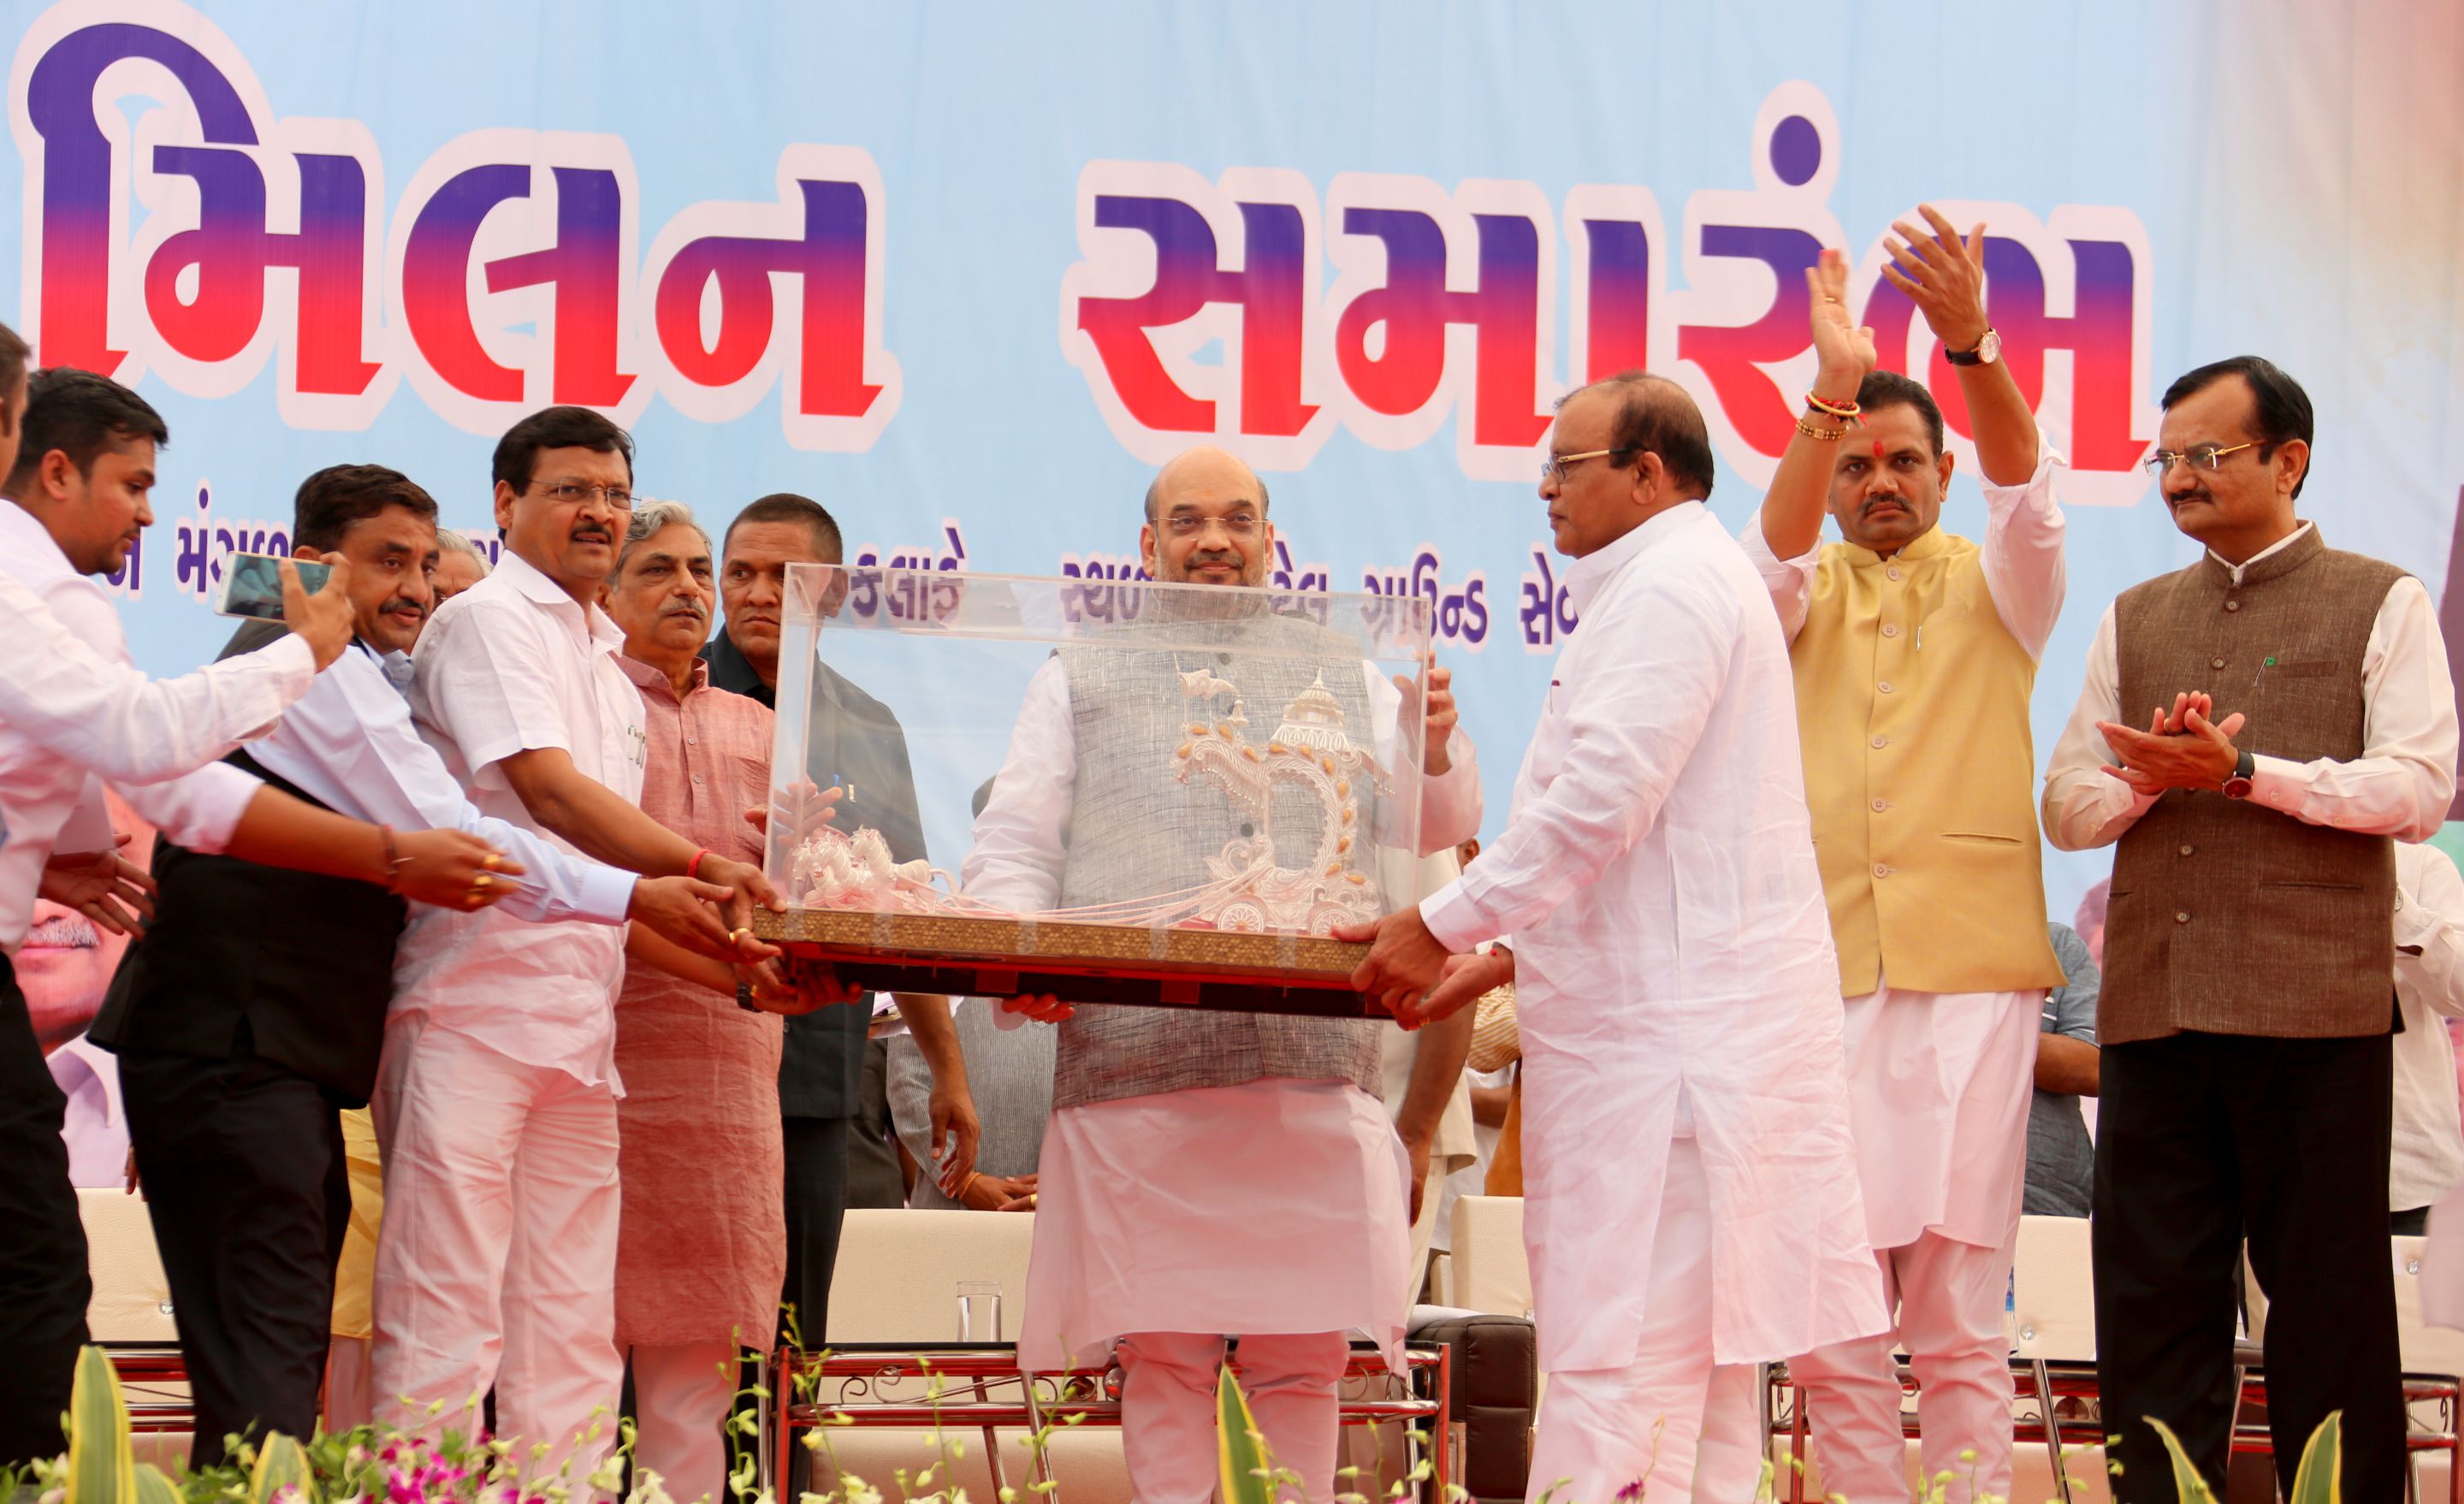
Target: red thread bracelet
(693, 869)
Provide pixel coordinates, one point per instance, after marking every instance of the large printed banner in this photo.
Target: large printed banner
(967, 274)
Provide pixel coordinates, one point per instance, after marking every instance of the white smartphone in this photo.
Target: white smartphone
(253, 585)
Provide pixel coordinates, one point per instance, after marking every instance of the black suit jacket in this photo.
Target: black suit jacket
(291, 966)
(856, 741)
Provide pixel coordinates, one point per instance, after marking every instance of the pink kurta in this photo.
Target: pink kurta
(702, 1246)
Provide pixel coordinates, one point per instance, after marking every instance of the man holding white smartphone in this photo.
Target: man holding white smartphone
(256, 1002)
(77, 708)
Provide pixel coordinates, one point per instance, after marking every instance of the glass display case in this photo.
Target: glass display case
(1106, 790)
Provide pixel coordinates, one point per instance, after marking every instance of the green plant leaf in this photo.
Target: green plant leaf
(1241, 1460)
(2188, 1486)
(281, 1463)
(153, 1488)
(102, 1464)
(2320, 1479)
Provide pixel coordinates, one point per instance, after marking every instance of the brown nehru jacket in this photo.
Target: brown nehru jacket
(2227, 917)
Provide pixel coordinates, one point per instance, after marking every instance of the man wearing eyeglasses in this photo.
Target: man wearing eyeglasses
(2301, 720)
(1211, 1173)
(495, 1092)
(1690, 1201)
(1915, 655)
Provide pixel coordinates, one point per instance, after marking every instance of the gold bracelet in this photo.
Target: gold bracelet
(1849, 411)
(1812, 433)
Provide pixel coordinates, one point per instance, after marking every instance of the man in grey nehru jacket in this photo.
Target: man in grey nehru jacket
(1211, 1174)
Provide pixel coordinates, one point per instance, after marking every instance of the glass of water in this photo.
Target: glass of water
(980, 1311)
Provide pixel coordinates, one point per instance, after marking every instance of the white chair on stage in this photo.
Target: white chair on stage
(129, 1315)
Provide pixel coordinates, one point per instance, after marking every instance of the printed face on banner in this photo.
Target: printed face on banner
(67, 961)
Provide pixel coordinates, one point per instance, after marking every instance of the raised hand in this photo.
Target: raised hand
(323, 620)
(1943, 275)
(1844, 350)
(452, 870)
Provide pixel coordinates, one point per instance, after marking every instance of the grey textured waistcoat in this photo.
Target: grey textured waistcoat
(1136, 832)
(2227, 917)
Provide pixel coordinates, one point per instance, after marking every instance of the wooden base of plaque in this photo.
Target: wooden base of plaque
(1215, 969)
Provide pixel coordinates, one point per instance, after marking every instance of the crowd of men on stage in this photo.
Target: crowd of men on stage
(1768, 895)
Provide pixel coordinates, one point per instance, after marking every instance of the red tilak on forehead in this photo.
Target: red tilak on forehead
(1878, 448)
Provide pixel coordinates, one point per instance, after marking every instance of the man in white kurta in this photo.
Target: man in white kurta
(1208, 1174)
(1689, 1182)
(1927, 839)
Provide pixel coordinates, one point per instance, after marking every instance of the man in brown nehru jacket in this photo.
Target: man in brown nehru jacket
(2299, 721)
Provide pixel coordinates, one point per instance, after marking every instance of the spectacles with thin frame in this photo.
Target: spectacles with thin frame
(1184, 525)
(2198, 457)
(571, 493)
(1556, 466)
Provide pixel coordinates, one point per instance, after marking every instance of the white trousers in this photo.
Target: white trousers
(680, 1402)
(1949, 1296)
(1671, 1421)
(1168, 1410)
(496, 1262)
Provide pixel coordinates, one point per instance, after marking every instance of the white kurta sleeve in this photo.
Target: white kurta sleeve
(1789, 581)
(2025, 571)
(198, 809)
(1451, 802)
(2430, 927)
(2405, 777)
(99, 710)
(1020, 845)
(350, 744)
(2084, 805)
(1632, 721)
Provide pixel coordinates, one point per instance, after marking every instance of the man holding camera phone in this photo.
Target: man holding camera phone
(242, 1147)
(78, 453)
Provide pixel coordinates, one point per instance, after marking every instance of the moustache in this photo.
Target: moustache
(62, 932)
(2199, 494)
(692, 608)
(402, 606)
(591, 533)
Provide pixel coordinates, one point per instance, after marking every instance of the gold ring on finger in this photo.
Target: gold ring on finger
(491, 862)
(738, 935)
(480, 882)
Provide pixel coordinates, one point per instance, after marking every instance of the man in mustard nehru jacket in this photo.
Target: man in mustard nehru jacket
(1915, 653)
